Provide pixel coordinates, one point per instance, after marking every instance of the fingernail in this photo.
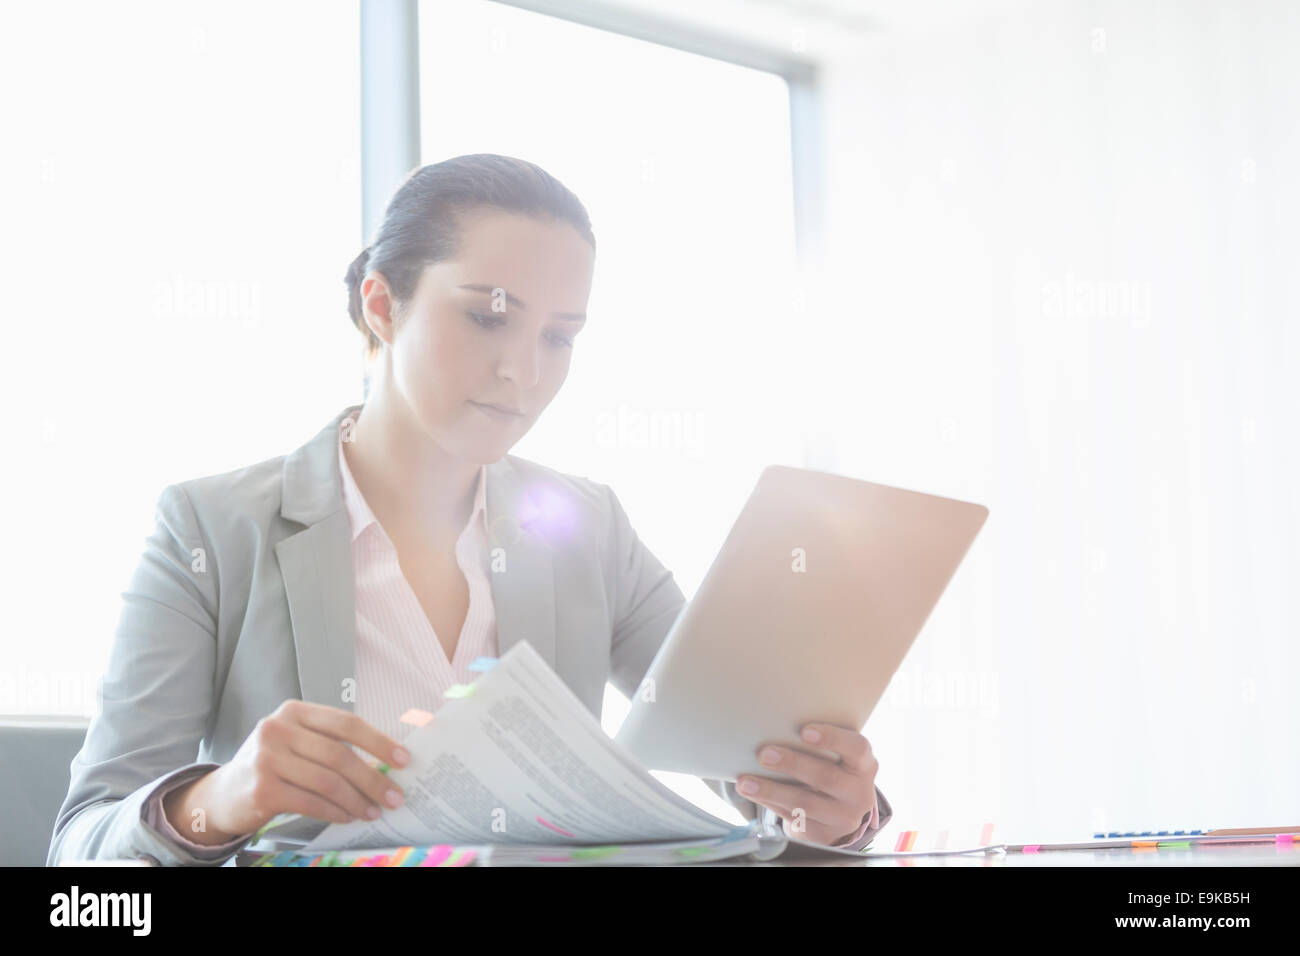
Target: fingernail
(394, 798)
(770, 755)
(812, 735)
(748, 786)
(400, 756)
(373, 811)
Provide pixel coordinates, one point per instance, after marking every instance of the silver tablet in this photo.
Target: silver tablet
(820, 588)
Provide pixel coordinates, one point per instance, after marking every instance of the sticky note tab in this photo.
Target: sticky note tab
(482, 663)
(436, 855)
(741, 831)
(595, 852)
(416, 716)
(274, 822)
(459, 690)
(399, 858)
(986, 834)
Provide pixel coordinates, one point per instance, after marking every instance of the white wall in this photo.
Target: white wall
(1062, 247)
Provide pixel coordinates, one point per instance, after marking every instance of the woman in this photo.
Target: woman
(285, 614)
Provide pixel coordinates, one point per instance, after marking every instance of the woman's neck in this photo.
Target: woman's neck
(411, 484)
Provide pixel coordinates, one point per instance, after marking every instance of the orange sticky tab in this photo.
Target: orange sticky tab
(416, 716)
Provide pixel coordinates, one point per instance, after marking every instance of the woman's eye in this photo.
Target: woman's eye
(492, 321)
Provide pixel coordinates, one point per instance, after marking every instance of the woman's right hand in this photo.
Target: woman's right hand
(296, 760)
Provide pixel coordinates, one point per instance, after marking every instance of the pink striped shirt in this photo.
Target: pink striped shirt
(400, 662)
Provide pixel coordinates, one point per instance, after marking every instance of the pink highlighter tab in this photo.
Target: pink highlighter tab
(416, 716)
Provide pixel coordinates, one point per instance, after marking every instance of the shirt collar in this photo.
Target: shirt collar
(361, 517)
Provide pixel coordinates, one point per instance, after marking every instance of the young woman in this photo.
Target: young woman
(284, 615)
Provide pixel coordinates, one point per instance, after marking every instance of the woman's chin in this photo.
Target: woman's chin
(486, 449)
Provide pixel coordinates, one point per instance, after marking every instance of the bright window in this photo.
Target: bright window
(179, 218)
(677, 393)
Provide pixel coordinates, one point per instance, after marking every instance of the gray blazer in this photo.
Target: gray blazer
(243, 599)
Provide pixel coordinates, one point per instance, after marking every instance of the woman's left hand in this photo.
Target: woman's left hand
(839, 794)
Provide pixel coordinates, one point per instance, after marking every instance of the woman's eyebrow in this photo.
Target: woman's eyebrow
(511, 300)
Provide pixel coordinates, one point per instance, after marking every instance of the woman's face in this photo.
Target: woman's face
(493, 326)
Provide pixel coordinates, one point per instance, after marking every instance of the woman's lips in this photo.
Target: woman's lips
(496, 411)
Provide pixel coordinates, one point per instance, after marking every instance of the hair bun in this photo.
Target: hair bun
(357, 271)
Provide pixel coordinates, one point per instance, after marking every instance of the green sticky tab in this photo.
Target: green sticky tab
(693, 850)
(593, 852)
(276, 821)
(383, 768)
(459, 690)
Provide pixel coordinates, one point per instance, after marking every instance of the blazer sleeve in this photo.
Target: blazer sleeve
(157, 698)
(647, 602)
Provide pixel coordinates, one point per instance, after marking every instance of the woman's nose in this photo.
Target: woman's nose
(520, 363)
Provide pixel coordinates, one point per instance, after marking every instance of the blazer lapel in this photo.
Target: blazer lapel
(316, 565)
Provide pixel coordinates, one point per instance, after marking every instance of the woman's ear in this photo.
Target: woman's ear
(378, 307)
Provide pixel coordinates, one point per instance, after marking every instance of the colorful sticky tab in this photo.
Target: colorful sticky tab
(594, 852)
(906, 840)
(459, 690)
(276, 821)
(741, 831)
(482, 663)
(436, 855)
(416, 716)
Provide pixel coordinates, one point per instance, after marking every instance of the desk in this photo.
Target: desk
(1248, 855)
(1241, 854)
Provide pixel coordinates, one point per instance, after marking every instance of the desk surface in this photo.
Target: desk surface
(1236, 855)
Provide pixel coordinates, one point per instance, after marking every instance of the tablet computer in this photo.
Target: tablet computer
(814, 599)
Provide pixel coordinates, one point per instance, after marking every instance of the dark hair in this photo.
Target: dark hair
(421, 223)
